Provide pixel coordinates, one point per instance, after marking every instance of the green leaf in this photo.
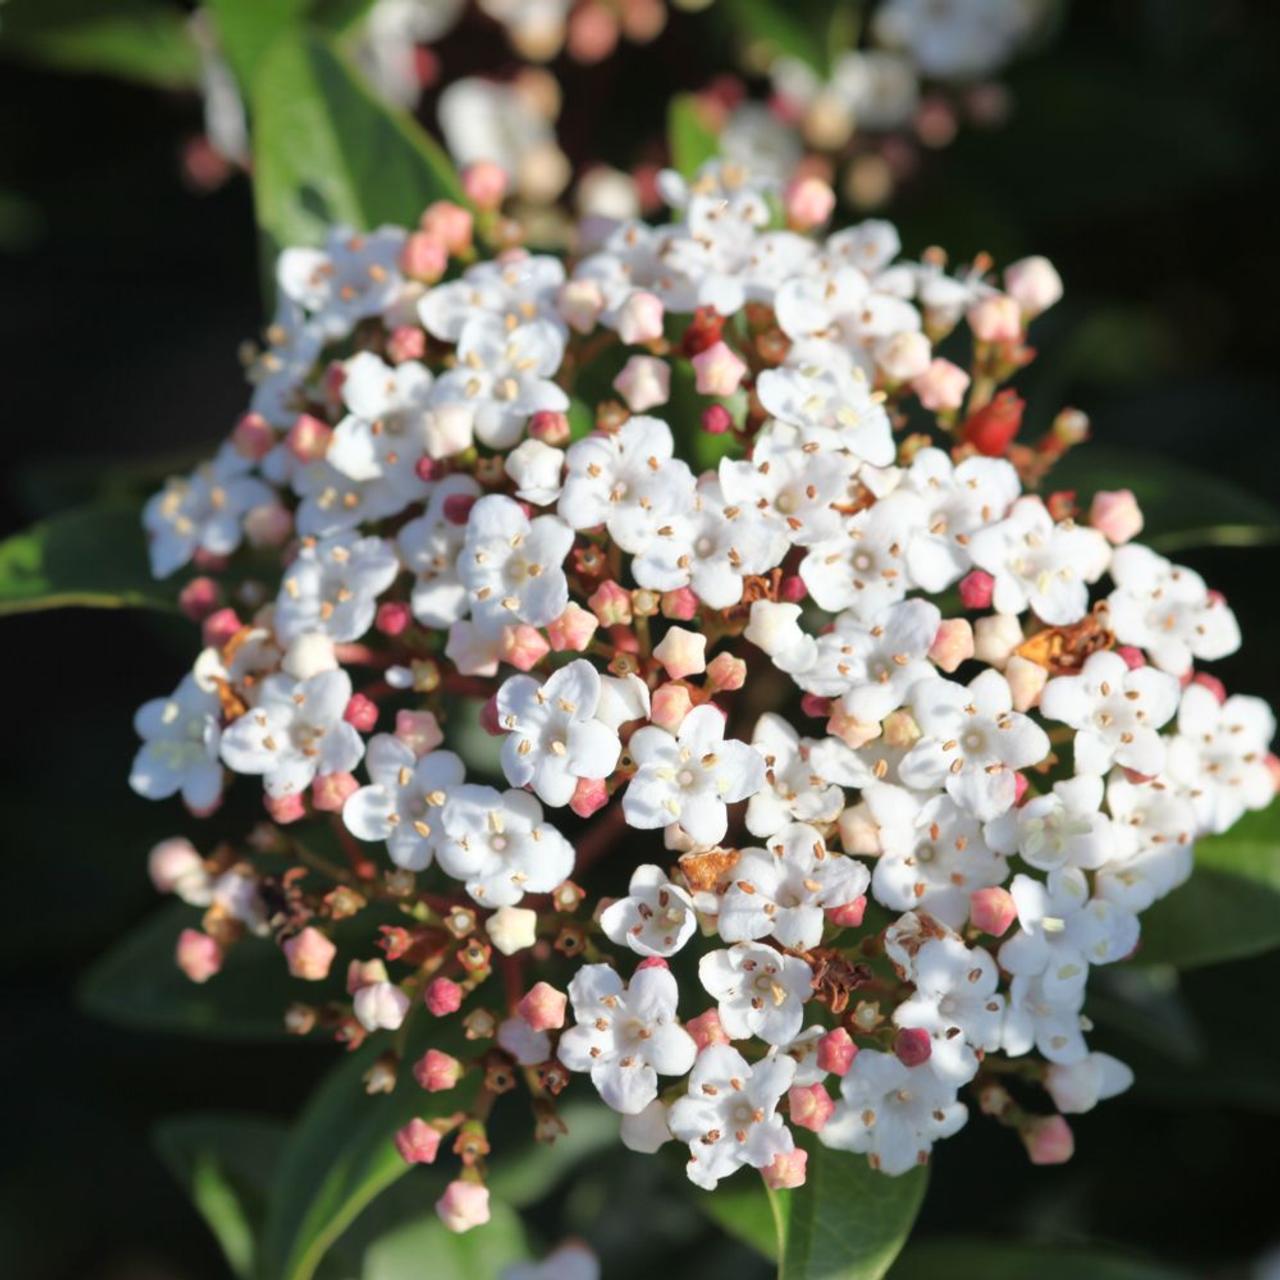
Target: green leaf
(524, 1174)
(225, 1163)
(744, 1209)
(327, 151)
(94, 556)
(1002, 1261)
(690, 140)
(248, 28)
(781, 28)
(403, 1254)
(1230, 908)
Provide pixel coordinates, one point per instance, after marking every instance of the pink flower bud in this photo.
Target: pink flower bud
(1026, 681)
(253, 437)
(419, 731)
(1048, 1140)
(1133, 658)
(523, 646)
(1020, 787)
(977, 589)
(219, 627)
(1116, 515)
(904, 356)
(309, 955)
(996, 318)
(953, 644)
(308, 438)
(442, 997)
(849, 914)
(716, 420)
(851, 731)
(810, 1106)
(611, 604)
(808, 202)
(1212, 683)
(912, 1046)
(457, 507)
(793, 590)
(543, 1007)
(484, 184)
(706, 1030)
(573, 629)
(941, 387)
(418, 1142)
(813, 704)
(589, 796)
(644, 383)
(285, 809)
(490, 720)
(450, 223)
(173, 863)
(992, 910)
(550, 427)
(580, 303)
(682, 653)
(198, 955)
(652, 962)
(669, 705)
(640, 318)
(836, 1052)
(787, 1170)
(393, 618)
(198, 599)
(268, 525)
(437, 1072)
(424, 258)
(361, 713)
(406, 342)
(725, 673)
(1033, 283)
(329, 791)
(718, 371)
(464, 1205)
(680, 605)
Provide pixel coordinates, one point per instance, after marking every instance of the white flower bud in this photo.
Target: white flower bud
(512, 929)
(311, 654)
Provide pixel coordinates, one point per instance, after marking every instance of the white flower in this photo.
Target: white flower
(1040, 565)
(403, 801)
(783, 890)
(791, 790)
(1062, 828)
(429, 546)
(1050, 1024)
(626, 1036)
(622, 699)
(803, 1051)
(955, 41)
(535, 467)
(571, 1261)
(892, 1113)
(1079, 1087)
(760, 991)
(646, 1132)
(730, 1117)
(514, 290)
(527, 1046)
(1116, 712)
(384, 433)
(831, 404)
(973, 742)
(294, 733)
(179, 751)
(278, 372)
(656, 918)
(353, 276)
(512, 566)
(1167, 610)
(553, 738)
(333, 587)
(715, 247)
(691, 777)
(497, 843)
(1220, 755)
(1156, 826)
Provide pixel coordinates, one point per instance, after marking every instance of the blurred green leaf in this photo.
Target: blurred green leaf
(690, 140)
(1002, 1261)
(744, 1209)
(247, 29)
(782, 27)
(93, 556)
(529, 1171)
(426, 1248)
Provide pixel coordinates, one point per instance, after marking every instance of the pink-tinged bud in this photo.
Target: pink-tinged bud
(808, 203)
(457, 507)
(427, 469)
(490, 719)
(810, 1106)
(523, 646)
(219, 627)
(1048, 1140)
(199, 598)
(269, 524)
(437, 1072)
(644, 383)
(680, 605)
(550, 427)
(725, 673)
(941, 387)
(716, 420)
(174, 863)
(580, 303)
(1026, 681)
(904, 356)
(787, 1170)
(442, 997)
(543, 1007)
(424, 258)
(706, 1030)
(996, 318)
(1133, 658)
(1212, 683)
(682, 653)
(813, 704)
(652, 962)
(793, 590)
(464, 1205)
(364, 973)
(309, 955)
(484, 184)
(669, 705)
(450, 223)
(1272, 763)
(852, 732)
(977, 588)
(992, 910)
(406, 342)
(1033, 283)
(573, 630)
(361, 713)
(849, 914)
(1020, 787)
(329, 792)
(611, 603)
(381, 1006)
(393, 618)
(284, 809)
(308, 438)
(953, 644)
(1116, 515)
(640, 318)
(419, 731)
(994, 427)
(198, 955)
(996, 637)
(253, 437)
(836, 1052)
(418, 1142)
(589, 796)
(913, 1046)
(718, 371)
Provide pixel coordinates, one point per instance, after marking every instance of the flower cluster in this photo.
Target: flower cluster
(828, 749)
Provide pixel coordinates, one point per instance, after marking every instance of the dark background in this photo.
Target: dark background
(1139, 158)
